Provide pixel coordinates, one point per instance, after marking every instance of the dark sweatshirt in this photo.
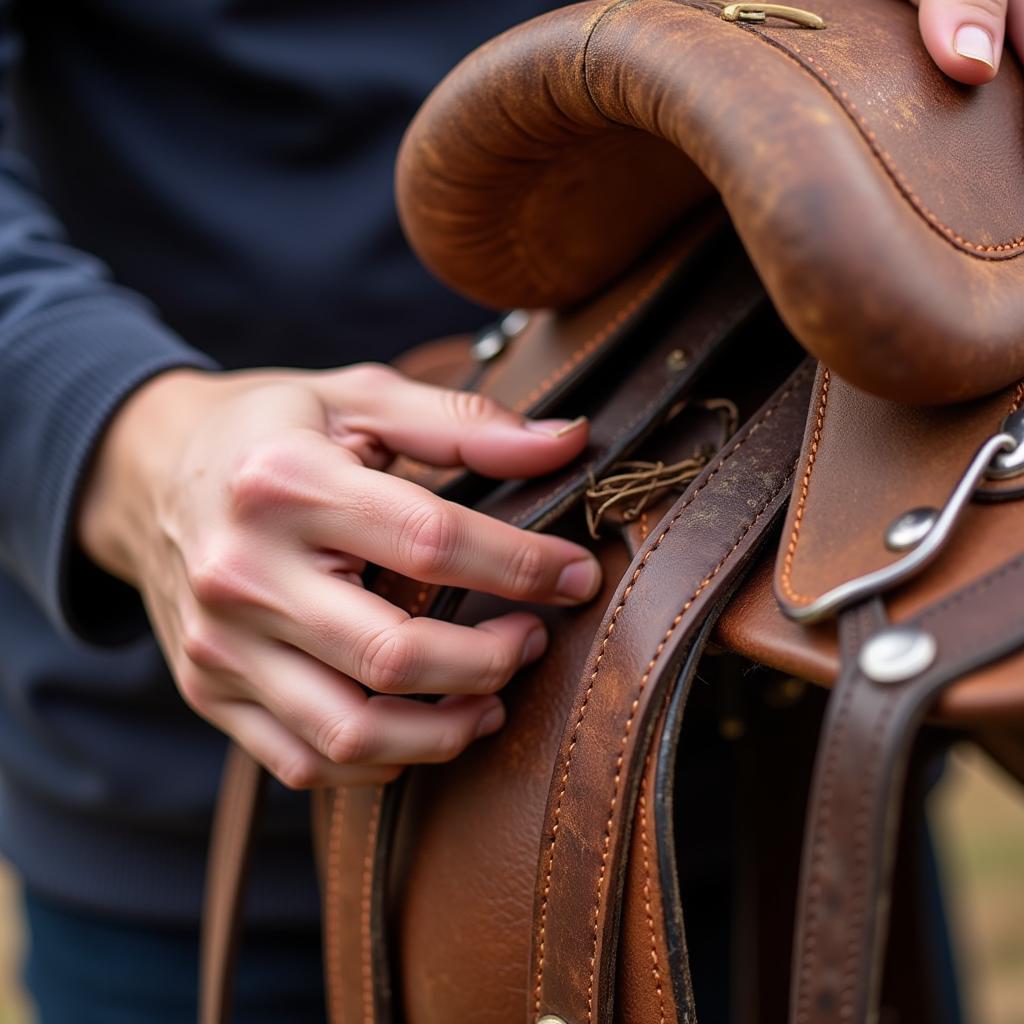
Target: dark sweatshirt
(182, 183)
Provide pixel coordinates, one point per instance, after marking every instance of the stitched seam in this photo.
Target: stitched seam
(365, 903)
(634, 707)
(973, 590)
(817, 71)
(809, 940)
(655, 963)
(1018, 399)
(805, 486)
(333, 938)
(856, 913)
(567, 765)
(585, 349)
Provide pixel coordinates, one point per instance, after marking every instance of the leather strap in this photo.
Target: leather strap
(234, 823)
(697, 553)
(857, 791)
(625, 409)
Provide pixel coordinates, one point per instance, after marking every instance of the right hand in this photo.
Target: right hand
(244, 508)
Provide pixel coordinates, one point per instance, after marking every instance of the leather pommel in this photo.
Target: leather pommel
(882, 204)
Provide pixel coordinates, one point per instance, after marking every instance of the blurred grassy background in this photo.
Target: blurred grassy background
(978, 814)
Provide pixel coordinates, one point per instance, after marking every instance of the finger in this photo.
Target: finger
(338, 719)
(964, 37)
(288, 758)
(402, 526)
(364, 636)
(447, 428)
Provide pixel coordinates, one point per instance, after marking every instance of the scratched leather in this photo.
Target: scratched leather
(882, 204)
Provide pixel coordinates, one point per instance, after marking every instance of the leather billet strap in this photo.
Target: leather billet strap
(234, 824)
(857, 790)
(697, 554)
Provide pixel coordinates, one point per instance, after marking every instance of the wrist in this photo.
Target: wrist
(133, 463)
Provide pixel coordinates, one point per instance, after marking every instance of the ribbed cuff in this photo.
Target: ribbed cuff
(63, 375)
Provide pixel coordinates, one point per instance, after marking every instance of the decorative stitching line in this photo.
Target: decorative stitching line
(890, 164)
(331, 923)
(567, 766)
(655, 963)
(805, 485)
(809, 940)
(856, 917)
(634, 707)
(366, 938)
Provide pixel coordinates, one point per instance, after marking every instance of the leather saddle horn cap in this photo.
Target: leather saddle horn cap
(881, 203)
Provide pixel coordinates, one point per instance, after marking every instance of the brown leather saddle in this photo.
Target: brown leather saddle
(680, 192)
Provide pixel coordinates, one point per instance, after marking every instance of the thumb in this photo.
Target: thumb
(964, 37)
(450, 428)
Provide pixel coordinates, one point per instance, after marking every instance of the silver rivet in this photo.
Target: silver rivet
(1010, 463)
(550, 1018)
(489, 345)
(897, 654)
(515, 322)
(910, 529)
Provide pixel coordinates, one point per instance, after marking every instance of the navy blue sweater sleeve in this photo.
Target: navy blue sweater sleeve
(73, 345)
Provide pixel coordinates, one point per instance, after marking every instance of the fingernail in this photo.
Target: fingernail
(555, 428)
(579, 580)
(974, 43)
(491, 722)
(535, 645)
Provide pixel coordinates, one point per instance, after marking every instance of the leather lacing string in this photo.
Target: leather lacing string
(639, 483)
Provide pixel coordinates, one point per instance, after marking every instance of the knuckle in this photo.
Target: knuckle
(266, 477)
(220, 575)
(345, 740)
(300, 771)
(390, 663)
(992, 10)
(470, 407)
(503, 664)
(366, 377)
(202, 646)
(526, 570)
(429, 539)
(449, 745)
(194, 689)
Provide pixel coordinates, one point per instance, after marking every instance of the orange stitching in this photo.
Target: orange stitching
(655, 965)
(567, 766)
(332, 937)
(634, 707)
(1018, 399)
(365, 908)
(602, 335)
(643, 527)
(974, 248)
(801, 507)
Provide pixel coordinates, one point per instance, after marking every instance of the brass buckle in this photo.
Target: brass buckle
(758, 13)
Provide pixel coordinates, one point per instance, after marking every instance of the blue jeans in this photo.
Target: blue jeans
(93, 970)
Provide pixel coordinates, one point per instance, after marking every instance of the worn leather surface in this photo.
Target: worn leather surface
(638, 651)
(810, 138)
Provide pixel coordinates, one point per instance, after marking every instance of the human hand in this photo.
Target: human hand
(244, 508)
(965, 37)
